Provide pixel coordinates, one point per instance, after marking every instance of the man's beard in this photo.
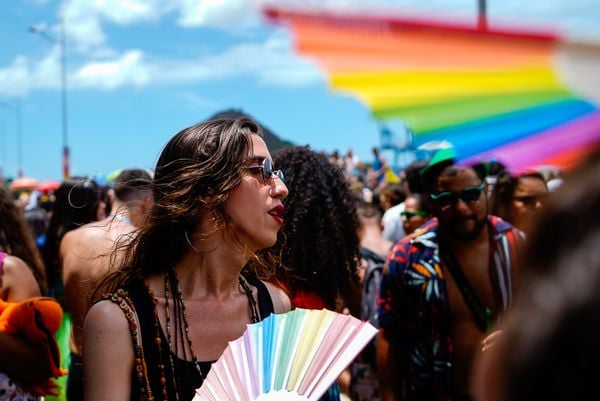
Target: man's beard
(450, 228)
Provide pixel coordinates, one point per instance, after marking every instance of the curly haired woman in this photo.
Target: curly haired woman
(318, 246)
(316, 254)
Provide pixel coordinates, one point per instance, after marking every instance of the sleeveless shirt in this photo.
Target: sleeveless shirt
(186, 375)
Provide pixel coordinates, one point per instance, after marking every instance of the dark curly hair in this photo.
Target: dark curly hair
(318, 246)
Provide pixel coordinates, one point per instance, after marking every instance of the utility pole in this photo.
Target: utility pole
(62, 41)
(482, 24)
(65, 120)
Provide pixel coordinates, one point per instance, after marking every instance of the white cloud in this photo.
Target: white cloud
(264, 62)
(271, 62)
(14, 79)
(127, 70)
(82, 25)
(84, 18)
(236, 14)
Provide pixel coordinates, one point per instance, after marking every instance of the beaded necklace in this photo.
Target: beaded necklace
(121, 298)
(181, 326)
(251, 301)
(181, 318)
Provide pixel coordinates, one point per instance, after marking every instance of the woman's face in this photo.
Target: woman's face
(527, 202)
(255, 205)
(412, 218)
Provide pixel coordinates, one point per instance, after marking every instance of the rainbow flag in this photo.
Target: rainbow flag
(514, 95)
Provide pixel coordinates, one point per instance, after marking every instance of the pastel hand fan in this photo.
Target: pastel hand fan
(295, 356)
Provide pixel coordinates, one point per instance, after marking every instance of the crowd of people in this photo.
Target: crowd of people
(480, 280)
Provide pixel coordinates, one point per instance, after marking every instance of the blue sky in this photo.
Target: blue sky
(140, 70)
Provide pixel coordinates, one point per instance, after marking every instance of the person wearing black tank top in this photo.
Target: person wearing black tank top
(160, 321)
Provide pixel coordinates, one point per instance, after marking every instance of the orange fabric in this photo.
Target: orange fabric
(343, 48)
(35, 320)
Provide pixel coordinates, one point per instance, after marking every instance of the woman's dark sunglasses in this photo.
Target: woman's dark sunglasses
(448, 199)
(530, 200)
(266, 171)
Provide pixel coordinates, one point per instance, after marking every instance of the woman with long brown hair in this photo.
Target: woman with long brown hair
(181, 295)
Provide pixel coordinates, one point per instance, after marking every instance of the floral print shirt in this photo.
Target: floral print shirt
(414, 303)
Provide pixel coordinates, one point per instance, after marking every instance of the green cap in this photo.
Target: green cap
(445, 156)
(442, 155)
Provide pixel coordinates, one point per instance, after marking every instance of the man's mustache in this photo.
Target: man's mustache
(463, 219)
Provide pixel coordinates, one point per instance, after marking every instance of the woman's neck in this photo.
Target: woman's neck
(211, 273)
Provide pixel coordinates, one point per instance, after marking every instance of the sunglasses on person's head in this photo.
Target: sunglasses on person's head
(409, 215)
(266, 171)
(530, 200)
(448, 199)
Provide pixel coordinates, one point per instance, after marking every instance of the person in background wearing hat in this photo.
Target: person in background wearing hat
(441, 289)
(85, 255)
(393, 227)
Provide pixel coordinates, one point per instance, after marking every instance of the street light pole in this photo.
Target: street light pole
(63, 62)
(482, 23)
(62, 41)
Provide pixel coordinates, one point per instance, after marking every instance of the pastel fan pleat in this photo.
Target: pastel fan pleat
(292, 356)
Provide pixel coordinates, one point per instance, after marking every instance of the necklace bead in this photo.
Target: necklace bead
(178, 330)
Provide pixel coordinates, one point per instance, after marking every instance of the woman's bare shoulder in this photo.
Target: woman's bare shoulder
(17, 282)
(107, 316)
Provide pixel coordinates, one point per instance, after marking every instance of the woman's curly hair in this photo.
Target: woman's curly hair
(317, 249)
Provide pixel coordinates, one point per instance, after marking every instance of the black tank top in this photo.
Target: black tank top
(186, 375)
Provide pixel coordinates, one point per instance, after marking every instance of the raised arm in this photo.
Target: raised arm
(107, 354)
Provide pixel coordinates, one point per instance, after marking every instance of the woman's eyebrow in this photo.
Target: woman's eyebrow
(257, 159)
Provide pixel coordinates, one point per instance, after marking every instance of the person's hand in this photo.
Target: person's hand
(490, 340)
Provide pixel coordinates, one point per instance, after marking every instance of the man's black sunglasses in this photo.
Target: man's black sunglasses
(448, 199)
(266, 171)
